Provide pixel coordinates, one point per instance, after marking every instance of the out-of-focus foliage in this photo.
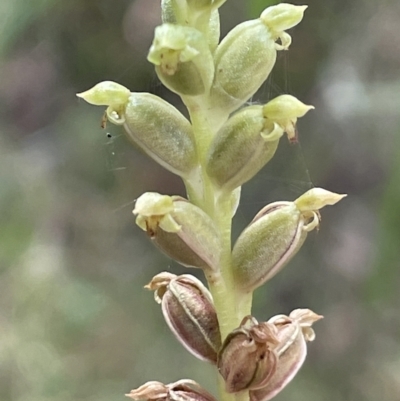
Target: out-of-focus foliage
(75, 322)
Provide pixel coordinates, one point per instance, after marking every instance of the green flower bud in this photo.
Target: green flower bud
(150, 122)
(189, 311)
(245, 57)
(180, 229)
(182, 390)
(274, 237)
(293, 332)
(249, 139)
(246, 359)
(183, 60)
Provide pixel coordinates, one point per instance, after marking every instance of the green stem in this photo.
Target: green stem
(231, 306)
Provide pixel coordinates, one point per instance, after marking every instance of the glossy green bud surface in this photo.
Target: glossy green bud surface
(180, 229)
(189, 311)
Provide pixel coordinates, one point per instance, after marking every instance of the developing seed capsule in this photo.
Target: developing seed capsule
(249, 139)
(274, 237)
(180, 229)
(182, 390)
(246, 359)
(150, 122)
(189, 311)
(183, 60)
(293, 332)
(245, 57)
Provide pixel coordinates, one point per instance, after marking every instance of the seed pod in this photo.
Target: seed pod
(180, 229)
(158, 128)
(249, 139)
(293, 332)
(189, 311)
(183, 60)
(245, 57)
(182, 390)
(246, 359)
(274, 237)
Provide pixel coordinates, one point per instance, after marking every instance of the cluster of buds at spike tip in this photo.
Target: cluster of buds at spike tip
(246, 56)
(264, 357)
(189, 311)
(275, 235)
(182, 390)
(249, 139)
(180, 229)
(151, 123)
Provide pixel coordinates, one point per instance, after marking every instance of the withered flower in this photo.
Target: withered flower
(292, 332)
(247, 358)
(182, 390)
(189, 311)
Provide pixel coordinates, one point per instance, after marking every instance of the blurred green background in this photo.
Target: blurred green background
(75, 323)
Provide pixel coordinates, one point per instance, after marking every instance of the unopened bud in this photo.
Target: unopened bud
(189, 311)
(293, 332)
(249, 139)
(246, 359)
(182, 390)
(274, 237)
(151, 123)
(183, 60)
(180, 229)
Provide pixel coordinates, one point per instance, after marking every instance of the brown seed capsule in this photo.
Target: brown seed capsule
(293, 332)
(182, 390)
(189, 311)
(247, 359)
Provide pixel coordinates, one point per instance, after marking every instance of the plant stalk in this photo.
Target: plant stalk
(230, 305)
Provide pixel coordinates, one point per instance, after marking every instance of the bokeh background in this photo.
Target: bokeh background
(75, 323)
